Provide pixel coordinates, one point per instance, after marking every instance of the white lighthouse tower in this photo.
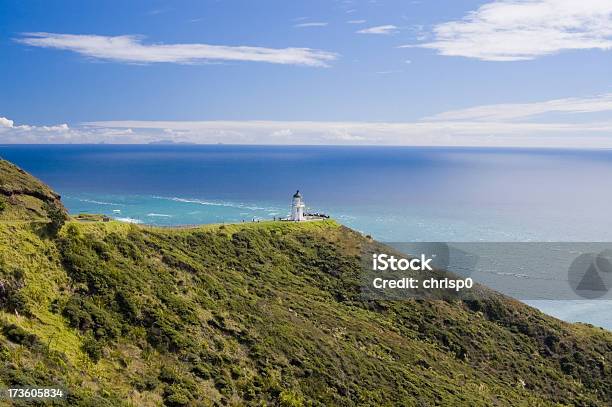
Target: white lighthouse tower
(297, 208)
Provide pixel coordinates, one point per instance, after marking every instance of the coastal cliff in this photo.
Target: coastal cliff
(23, 197)
(259, 314)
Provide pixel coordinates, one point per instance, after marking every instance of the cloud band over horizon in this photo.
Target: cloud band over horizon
(501, 125)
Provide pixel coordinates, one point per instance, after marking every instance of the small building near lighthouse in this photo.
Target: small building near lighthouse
(297, 208)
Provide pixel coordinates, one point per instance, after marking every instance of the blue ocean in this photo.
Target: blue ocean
(395, 194)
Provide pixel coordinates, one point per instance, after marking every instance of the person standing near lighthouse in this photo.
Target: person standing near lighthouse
(297, 208)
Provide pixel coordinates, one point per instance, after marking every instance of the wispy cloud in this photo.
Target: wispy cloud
(313, 24)
(356, 21)
(513, 30)
(131, 49)
(514, 111)
(388, 72)
(159, 11)
(380, 30)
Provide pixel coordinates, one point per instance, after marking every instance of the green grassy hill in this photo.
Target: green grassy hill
(263, 314)
(23, 197)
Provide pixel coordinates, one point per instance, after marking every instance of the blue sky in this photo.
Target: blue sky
(507, 73)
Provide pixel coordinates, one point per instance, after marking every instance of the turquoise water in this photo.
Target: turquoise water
(418, 223)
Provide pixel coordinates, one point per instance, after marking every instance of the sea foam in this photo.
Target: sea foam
(129, 220)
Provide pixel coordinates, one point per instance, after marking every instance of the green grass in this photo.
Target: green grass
(269, 313)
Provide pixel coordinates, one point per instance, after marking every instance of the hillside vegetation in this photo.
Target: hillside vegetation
(23, 197)
(263, 314)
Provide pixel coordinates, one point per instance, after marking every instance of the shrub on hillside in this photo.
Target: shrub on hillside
(11, 298)
(17, 334)
(57, 218)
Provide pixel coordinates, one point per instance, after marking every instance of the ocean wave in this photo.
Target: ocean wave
(213, 203)
(159, 215)
(129, 220)
(97, 202)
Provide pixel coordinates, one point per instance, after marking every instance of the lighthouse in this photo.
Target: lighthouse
(297, 208)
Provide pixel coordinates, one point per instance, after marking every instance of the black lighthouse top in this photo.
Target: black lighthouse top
(297, 194)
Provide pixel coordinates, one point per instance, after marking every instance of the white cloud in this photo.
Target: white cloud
(512, 111)
(282, 133)
(356, 21)
(7, 124)
(313, 24)
(130, 49)
(48, 134)
(379, 30)
(4, 122)
(513, 30)
(58, 128)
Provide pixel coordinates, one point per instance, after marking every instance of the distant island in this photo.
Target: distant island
(265, 313)
(170, 142)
